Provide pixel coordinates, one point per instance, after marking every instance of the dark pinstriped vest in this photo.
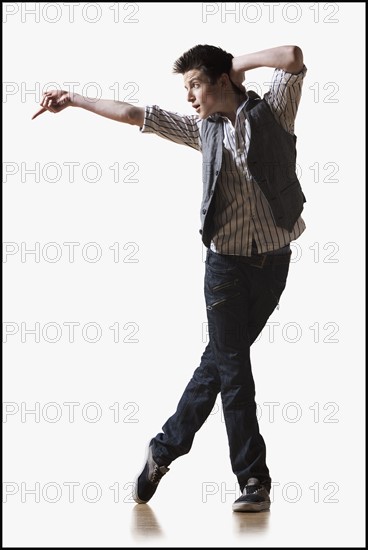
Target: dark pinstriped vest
(271, 161)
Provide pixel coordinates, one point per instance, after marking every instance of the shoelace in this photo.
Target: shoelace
(157, 474)
(250, 489)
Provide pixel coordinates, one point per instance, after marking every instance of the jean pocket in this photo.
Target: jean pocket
(227, 284)
(221, 290)
(221, 263)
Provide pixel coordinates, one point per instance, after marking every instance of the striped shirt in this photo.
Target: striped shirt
(242, 213)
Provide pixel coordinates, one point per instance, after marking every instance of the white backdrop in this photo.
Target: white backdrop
(104, 316)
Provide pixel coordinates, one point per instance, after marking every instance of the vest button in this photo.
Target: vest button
(217, 172)
(201, 231)
(204, 211)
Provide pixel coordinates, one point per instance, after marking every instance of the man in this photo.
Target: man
(250, 212)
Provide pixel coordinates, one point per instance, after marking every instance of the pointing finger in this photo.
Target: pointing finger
(42, 110)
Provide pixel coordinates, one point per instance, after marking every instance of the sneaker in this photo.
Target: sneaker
(255, 498)
(146, 484)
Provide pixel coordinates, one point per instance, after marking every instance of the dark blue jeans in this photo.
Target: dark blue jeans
(240, 296)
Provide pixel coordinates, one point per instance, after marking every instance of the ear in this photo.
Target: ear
(224, 80)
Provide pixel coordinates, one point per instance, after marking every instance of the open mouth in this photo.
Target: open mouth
(196, 107)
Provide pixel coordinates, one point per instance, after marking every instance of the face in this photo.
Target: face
(204, 97)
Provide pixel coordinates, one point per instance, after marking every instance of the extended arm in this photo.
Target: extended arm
(57, 100)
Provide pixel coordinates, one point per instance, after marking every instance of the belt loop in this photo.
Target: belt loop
(260, 264)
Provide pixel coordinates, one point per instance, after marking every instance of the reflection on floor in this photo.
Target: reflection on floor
(257, 522)
(144, 522)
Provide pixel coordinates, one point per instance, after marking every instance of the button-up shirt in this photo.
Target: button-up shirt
(242, 214)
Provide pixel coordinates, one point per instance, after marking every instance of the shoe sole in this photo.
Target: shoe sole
(136, 497)
(251, 506)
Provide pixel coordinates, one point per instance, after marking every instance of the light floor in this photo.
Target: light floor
(183, 520)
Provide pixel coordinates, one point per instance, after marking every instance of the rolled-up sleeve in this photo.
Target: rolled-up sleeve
(284, 96)
(182, 129)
